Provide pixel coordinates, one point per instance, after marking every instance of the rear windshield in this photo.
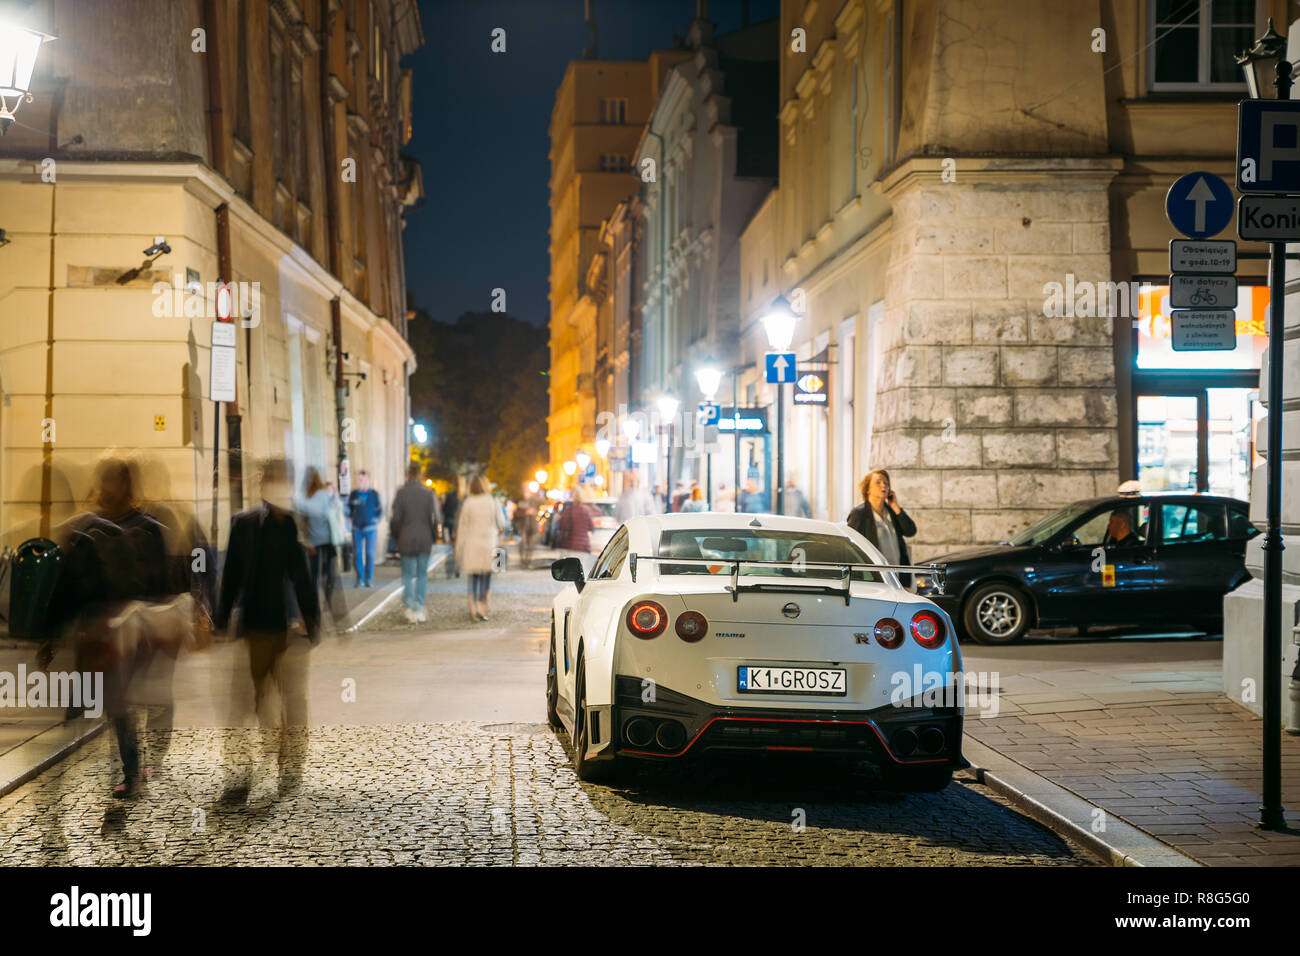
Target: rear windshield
(754, 544)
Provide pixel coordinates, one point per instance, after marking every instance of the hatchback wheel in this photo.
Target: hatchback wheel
(586, 769)
(997, 614)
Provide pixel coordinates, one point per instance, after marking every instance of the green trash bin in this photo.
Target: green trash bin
(32, 575)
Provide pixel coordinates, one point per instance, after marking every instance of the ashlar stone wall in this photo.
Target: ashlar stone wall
(991, 413)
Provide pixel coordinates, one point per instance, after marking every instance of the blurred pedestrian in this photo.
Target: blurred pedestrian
(317, 505)
(795, 504)
(680, 494)
(414, 525)
(725, 498)
(696, 502)
(450, 515)
(752, 501)
(577, 521)
(882, 521)
(477, 528)
(115, 555)
(364, 509)
(266, 568)
(635, 501)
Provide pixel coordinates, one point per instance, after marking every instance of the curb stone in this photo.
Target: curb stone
(34, 757)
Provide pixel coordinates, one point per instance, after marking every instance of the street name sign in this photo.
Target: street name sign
(1269, 218)
(1210, 330)
(1202, 292)
(1268, 146)
(1199, 205)
(1203, 256)
(781, 367)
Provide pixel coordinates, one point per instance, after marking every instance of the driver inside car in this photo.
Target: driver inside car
(1119, 532)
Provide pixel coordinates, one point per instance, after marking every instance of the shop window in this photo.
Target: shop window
(1194, 42)
(1154, 332)
(613, 111)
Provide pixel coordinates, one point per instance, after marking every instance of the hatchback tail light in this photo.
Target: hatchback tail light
(646, 619)
(928, 629)
(889, 633)
(692, 626)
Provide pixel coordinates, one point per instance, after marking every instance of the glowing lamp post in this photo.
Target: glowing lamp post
(779, 324)
(19, 47)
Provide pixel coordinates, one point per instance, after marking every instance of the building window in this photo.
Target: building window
(1194, 42)
(613, 111)
(615, 163)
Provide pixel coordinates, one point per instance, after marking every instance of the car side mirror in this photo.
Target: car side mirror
(569, 569)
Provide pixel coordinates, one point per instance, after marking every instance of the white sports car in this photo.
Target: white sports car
(705, 632)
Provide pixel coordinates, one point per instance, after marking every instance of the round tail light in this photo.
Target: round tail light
(889, 633)
(927, 629)
(646, 619)
(691, 626)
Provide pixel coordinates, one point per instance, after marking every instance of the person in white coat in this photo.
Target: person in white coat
(478, 525)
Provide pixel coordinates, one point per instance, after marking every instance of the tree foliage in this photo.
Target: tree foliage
(481, 388)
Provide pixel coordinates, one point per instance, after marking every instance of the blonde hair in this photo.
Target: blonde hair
(479, 485)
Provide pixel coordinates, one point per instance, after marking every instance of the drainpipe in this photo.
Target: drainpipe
(332, 231)
(234, 421)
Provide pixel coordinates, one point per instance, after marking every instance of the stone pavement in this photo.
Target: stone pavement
(496, 794)
(1160, 748)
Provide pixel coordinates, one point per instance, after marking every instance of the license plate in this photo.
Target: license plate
(818, 681)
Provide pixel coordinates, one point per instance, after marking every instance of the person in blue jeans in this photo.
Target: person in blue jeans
(414, 528)
(364, 509)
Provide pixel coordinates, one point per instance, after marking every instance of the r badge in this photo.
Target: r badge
(862, 638)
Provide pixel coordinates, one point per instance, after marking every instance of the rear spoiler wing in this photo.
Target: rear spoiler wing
(935, 572)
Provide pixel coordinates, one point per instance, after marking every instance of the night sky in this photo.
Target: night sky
(480, 134)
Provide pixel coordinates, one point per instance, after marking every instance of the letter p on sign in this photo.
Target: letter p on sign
(1268, 146)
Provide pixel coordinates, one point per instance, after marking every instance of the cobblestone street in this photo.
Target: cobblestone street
(476, 792)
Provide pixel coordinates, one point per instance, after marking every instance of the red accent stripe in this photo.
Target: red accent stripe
(790, 720)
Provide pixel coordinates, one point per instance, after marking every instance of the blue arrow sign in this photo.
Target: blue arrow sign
(1199, 205)
(781, 367)
(1268, 146)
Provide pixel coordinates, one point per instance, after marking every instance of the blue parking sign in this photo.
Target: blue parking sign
(1199, 205)
(1268, 146)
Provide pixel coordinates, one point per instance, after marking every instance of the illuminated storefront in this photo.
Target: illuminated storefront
(1193, 415)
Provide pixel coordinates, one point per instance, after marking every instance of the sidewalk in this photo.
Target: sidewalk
(1161, 750)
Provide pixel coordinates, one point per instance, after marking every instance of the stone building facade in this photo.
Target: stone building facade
(944, 166)
(265, 148)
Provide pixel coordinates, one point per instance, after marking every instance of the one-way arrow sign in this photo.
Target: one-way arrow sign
(1199, 205)
(781, 368)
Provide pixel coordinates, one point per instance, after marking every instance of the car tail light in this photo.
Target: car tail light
(647, 619)
(692, 626)
(927, 629)
(889, 633)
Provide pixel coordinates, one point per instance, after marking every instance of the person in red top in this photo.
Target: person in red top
(576, 523)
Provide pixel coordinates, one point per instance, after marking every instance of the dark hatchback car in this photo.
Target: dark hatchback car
(1162, 559)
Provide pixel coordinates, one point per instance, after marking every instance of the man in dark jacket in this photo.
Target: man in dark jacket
(883, 522)
(414, 525)
(264, 561)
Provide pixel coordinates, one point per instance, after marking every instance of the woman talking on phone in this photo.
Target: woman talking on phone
(881, 521)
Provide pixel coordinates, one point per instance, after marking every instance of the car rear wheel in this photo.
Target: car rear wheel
(917, 779)
(997, 614)
(585, 768)
(553, 688)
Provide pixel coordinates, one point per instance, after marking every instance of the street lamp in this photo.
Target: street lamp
(570, 467)
(19, 47)
(708, 376)
(541, 476)
(582, 459)
(602, 447)
(1271, 49)
(779, 323)
(668, 406)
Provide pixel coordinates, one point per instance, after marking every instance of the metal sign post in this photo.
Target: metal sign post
(1263, 166)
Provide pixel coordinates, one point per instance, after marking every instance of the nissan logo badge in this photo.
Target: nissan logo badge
(791, 610)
